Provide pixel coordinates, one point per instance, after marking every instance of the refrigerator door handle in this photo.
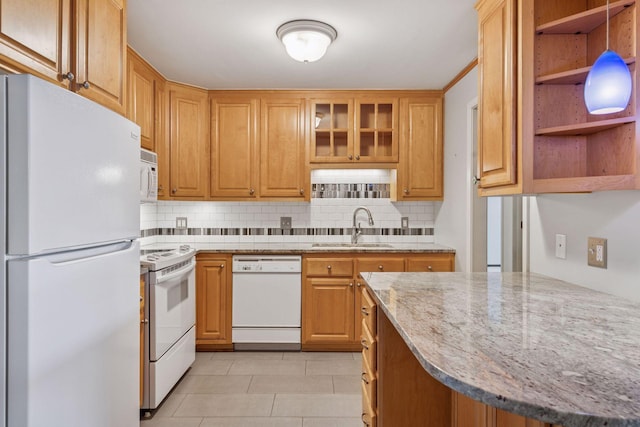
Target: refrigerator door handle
(87, 254)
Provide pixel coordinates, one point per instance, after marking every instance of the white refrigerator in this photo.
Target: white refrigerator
(70, 277)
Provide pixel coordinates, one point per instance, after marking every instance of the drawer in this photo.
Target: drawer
(368, 311)
(369, 347)
(369, 418)
(329, 267)
(434, 263)
(381, 264)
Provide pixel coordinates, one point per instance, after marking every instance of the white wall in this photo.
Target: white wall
(452, 215)
(614, 215)
(494, 230)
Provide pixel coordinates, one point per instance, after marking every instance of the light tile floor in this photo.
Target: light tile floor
(265, 389)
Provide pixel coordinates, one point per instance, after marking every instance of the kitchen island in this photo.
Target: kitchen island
(524, 343)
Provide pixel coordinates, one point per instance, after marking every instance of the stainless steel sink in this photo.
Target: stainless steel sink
(351, 245)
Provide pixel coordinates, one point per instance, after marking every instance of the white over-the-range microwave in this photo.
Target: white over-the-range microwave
(148, 176)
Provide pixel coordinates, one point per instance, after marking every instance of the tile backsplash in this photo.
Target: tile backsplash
(327, 218)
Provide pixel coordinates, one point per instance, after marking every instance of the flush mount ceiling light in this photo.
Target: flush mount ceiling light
(306, 40)
(608, 86)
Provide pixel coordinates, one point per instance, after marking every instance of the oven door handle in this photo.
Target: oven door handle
(175, 274)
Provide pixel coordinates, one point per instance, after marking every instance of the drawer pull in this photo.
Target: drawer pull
(364, 311)
(363, 342)
(351, 284)
(328, 267)
(430, 268)
(364, 378)
(380, 267)
(359, 284)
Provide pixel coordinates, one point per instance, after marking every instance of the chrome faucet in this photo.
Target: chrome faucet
(355, 229)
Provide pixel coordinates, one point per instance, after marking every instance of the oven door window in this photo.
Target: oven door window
(172, 309)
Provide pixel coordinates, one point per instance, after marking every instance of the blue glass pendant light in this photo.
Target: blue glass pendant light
(608, 86)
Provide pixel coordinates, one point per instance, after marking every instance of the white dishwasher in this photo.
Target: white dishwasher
(267, 302)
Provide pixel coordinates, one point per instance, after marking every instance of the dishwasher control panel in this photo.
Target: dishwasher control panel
(267, 264)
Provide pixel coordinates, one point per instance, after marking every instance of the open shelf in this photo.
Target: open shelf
(584, 184)
(583, 22)
(571, 77)
(584, 128)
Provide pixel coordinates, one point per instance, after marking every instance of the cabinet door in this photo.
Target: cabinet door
(331, 130)
(234, 147)
(282, 148)
(497, 93)
(467, 412)
(100, 51)
(141, 103)
(162, 140)
(376, 130)
(420, 167)
(327, 311)
(189, 141)
(35, 37)
(506, 419)
(213, 301)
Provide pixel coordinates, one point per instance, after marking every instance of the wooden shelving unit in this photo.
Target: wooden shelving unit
(573, 151)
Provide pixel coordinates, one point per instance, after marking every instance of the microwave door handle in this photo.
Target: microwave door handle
(174, 275)
(149, 182)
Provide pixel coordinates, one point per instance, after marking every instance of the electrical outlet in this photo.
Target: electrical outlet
(561, 246)
(597, 252)
(404, 222)
(285, 222)
(181, 223)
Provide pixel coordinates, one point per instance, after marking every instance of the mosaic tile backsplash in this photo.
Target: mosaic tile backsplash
(326, 218)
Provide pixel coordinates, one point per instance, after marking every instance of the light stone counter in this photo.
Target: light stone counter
(304, 248)
(525, 343)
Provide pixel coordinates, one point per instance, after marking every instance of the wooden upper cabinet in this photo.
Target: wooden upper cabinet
(420, 168)
(376, 138)
(234, 147)
(189, 141)
(282, 148)
(100, 51)
(331, 130)
(141, 103)
(35, 37)
(497, 148)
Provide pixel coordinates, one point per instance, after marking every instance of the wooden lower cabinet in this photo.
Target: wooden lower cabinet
(213, 302)
(331, 293)
(408, 396)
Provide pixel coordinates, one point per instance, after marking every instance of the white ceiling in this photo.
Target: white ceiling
(232, 44)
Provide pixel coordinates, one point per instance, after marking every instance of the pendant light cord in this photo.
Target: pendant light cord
(607, 24)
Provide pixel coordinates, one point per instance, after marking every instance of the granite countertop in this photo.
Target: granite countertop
(525, 343)
(303, 248)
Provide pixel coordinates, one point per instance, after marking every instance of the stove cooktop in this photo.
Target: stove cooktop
(156, 259)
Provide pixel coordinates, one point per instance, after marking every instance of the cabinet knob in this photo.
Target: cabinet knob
(380, 267)
(430, 268)
(84, 85)
(363, 342)
(302, 191)
(405, 191)
(350, 157)
(357, 156)
(221, 265)
(364, 378)
(351, 284)
(358, 284)
(251, 191)
(328, 267)
(68, 76)
(144, 321)
(160, 188)
(174, 190)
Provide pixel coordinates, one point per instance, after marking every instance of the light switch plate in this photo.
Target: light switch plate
(597, 252)
(561, 246)
(285, 222)
(181, 223)
(404, 222)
